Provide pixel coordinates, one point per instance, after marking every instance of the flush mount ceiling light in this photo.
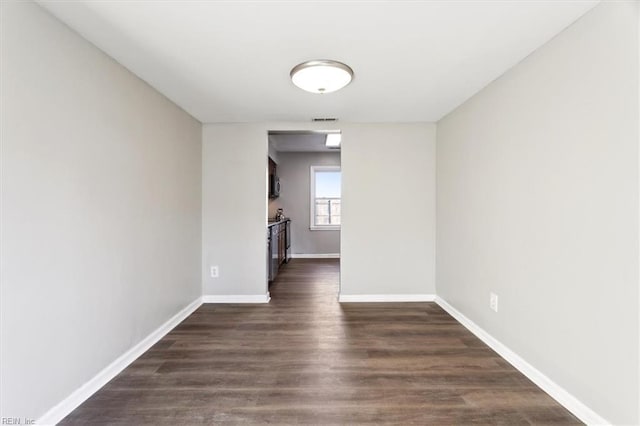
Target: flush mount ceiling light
(321, 76)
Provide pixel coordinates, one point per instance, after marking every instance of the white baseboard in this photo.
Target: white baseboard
(387, 297)
(240, 298)
(80, 395)
(557, 392)
(316, 256)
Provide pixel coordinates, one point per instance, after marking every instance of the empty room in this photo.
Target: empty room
(320, 212)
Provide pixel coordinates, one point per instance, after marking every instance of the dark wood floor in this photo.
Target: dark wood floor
(306, 359)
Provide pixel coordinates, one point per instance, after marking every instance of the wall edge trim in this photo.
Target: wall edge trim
(315, 256)
(236, 298)
(84, 392)
(557, 392)
(357, 298)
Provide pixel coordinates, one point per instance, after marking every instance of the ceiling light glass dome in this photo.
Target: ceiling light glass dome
(321, 76)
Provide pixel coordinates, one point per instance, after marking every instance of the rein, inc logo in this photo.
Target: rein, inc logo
(16, 421)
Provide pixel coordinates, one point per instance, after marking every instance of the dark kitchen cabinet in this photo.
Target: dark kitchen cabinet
(279, 246)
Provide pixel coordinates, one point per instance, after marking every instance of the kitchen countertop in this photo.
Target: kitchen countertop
(273, 222)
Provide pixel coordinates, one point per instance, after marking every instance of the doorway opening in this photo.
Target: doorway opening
(304, 198)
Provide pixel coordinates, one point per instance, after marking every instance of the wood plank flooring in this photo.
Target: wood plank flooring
(306, 359)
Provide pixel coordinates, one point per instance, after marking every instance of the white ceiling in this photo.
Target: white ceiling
(226, 61)
(300, 142)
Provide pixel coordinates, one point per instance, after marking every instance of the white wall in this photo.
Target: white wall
(275, 155)
(234, 209)
(100, 210)
(538, 202)
(294, 172)
(388, 209)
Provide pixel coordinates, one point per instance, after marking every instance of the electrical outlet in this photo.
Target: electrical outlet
(493, 302)
(215, 272)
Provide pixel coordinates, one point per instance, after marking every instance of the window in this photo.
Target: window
(325, 197)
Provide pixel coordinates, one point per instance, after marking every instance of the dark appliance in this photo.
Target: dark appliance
(274, 255)
(274, 186)
(288, 241)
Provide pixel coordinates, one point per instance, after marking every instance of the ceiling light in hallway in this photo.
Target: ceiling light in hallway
(333, 140)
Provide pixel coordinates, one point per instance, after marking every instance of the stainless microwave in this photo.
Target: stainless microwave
(274, 186)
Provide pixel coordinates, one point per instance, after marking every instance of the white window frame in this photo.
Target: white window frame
(312, 198)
